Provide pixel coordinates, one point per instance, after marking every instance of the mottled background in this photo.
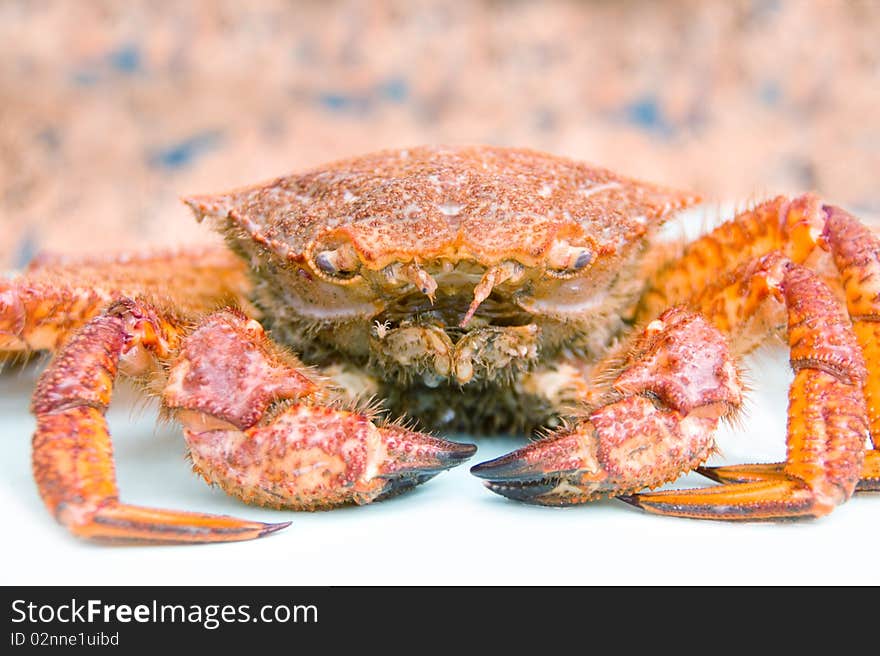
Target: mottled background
(109, 111)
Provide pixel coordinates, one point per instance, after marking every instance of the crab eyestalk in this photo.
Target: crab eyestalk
(563, 258)
(341, 261)
(421, 279)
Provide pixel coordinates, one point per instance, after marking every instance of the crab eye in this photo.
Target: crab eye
(341, 262)
(582, 260)
(566, 260)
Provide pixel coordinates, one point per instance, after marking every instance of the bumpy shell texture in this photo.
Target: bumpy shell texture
(486, 203)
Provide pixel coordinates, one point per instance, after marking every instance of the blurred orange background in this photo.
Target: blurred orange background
(110, 111)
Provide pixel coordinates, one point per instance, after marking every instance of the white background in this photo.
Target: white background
(448, 531)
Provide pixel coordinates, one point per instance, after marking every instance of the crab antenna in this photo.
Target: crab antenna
(421, 279)
(494, 276)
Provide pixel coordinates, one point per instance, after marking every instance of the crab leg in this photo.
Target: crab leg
(826, 433)
(795, 227)
(655, 421)
(56, 295)
(789, 226)
(225, 381)
(827, 425)
(72, 452)
(856, 253)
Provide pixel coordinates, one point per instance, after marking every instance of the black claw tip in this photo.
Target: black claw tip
(527, 493)
(460, 451)
(404, 483)
(709, 472)
(441, 455)
(482, 470)
(272, 528)
(450, 456)
(631, 499)
(507, 468)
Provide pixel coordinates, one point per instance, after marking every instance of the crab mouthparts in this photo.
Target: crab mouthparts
(479, 354)
(454, 335)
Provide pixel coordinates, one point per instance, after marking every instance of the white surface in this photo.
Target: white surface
(449, 531)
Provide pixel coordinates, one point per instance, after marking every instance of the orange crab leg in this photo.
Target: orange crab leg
(827, 424)
(72, 452)
(656, 420)
(869, 478)
(856, 252)
(657, 417)
(795, 228)
(41, 308)
(789, 226)
(257, 423)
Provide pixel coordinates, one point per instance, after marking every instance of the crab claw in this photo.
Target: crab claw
(311, 457)
(623, 447)
(414, 458)
(554, 471)
(653, 428)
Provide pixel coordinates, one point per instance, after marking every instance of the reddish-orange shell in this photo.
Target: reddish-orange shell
(480, 202)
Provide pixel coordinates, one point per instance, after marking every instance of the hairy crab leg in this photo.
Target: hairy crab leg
(790, 226)
(827, 426)
(55, 296)
(309, 452)
(224, 380)
(827, 421)
(655, 421)
(856, 252)
(72, 451)
(570, 466)
(869, 477)
(796, 227)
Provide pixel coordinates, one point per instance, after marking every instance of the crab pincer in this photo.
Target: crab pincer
(686, 382)
(311, 457)
(257, 423)
(655, 422)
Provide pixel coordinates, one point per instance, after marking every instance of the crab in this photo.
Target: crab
(463, 289)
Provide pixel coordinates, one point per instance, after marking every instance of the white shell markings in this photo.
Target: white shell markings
(597, 189)
(450, 208)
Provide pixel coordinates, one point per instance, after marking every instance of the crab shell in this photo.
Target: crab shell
(454, 263)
